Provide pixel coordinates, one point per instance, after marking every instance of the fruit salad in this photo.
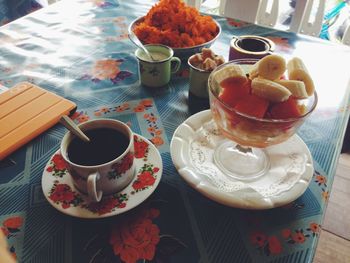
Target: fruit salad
(261, 103)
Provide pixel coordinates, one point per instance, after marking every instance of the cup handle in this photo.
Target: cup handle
(94, 195)
(175, 64)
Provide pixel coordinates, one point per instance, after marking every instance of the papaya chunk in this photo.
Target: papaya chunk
(252, 105)
(233, 92)
(286, 109)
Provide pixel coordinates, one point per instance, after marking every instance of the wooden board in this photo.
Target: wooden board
(26, 111)
(337, 217)
(334, 243)
(332, 249)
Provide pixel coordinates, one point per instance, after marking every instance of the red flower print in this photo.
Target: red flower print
(275, 246)
(258, 238)
(151, 129)
(146, 116)
(298, 237)
(59, 162)
(147, 102)
(5, 231)
(315, 228)
(62, 193)
(122, 205)
(97, 113)
(75, 115)
(83, 118)
(13, 222)
(119, 109)
(137, 185)
(139, 108)
(135, 239)
(104, 110)
(108, 204)
(152, 118)
(57, 158)
(140, 147)
(105, 206)
(144, 179)
(106, 68)
(49, 169)
(320, 179)
(147, 178)
(65, 205)
(124, 165)
(235, 23)
(157, 140)
(122, 107)
(61, 165)
(286, 233)
(325, 195)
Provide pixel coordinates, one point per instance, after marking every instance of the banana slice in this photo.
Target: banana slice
(298, 71)
(296, 87)
(254, 72)
(234, 72)
(271, 67)
(270, 90)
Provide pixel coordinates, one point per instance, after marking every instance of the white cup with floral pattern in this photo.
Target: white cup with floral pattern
(98, 179)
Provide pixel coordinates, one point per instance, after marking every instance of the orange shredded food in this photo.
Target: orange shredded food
(172, 23)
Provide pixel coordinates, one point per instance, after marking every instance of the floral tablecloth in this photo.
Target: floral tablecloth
(79, 49)
(13, 9)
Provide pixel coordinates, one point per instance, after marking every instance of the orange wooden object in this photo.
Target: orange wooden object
(26, 111)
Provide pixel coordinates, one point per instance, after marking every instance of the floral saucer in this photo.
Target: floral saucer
(192, 149)
(61, 193)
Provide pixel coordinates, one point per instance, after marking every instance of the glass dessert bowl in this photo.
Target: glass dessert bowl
(247, 128)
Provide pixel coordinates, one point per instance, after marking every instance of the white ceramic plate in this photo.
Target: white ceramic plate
(59, 189)
(192, 148)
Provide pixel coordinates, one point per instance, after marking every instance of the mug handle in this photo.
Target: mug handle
(94, 195)
(175, 64)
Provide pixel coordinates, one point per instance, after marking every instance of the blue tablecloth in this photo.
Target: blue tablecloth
(13, 9)
(57, 48)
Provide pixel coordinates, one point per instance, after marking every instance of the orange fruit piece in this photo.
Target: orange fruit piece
(286, 109)
(252, 105)
(233, 91)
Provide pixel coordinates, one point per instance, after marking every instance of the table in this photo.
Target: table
(10, 10)
(56, 48)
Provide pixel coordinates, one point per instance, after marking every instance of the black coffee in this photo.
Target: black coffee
(253, 45)
(105, 145)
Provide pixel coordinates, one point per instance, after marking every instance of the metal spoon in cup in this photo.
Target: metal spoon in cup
(138, 43)
(71, 126)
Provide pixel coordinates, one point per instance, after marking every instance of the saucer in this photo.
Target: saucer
(61, 193)
(192, 152)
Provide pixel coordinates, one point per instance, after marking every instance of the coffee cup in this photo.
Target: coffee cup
(250, 46)
(157, 73)
(105, 165)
